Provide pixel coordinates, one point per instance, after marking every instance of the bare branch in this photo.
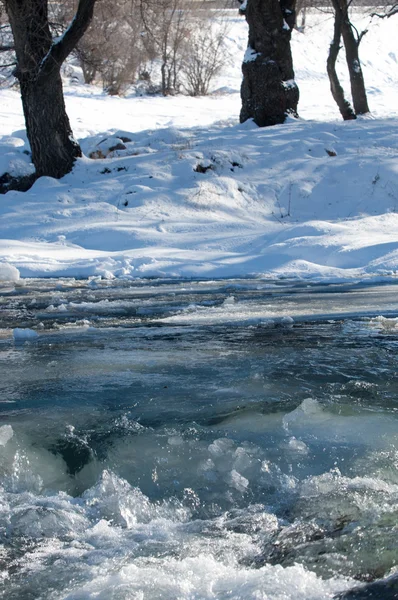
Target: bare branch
(61, 49)
(358, 35)
(392, 11)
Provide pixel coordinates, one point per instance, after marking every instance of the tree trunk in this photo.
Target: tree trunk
(358, 90)
(163, 73)
(269, 92)
(39, 61)
(54, 150)
(337, 91)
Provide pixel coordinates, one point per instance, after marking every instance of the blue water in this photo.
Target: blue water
(195, 440)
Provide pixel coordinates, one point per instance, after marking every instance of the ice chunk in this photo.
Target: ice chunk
(23, 335)
(308, 410)
(8, 272)
(287, 321)
(6, 433)
(298, 446)
(237, 481)
(230, 301)
(115, 500)
(221, 446)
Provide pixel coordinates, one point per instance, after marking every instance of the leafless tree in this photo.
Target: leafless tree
(39, 60)
(204, 54)
(343, 27)
(337, 90)
(7, 54)
(166, 29)
(112, 51)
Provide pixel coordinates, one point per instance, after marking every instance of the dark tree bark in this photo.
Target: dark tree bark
(358, 90)
(337, 91)
(269, 92)
(39, 60)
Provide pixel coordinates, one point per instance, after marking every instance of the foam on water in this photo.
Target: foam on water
(192, 514)
(113, 542)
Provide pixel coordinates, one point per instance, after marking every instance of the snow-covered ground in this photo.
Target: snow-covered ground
(315, 197)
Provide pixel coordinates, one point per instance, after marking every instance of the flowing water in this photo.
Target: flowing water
(198, 440)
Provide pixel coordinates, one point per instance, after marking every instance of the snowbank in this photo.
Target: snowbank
(189, 192)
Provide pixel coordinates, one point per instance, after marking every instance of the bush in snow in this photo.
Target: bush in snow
(204, 56)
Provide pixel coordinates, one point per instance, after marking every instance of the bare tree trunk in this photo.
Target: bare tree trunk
(39, 61)
(269, 92)
(337, 91)
(54, 150)
(358, 90)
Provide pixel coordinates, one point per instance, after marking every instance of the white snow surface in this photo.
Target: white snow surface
(313, 198)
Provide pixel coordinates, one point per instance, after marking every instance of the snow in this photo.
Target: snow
(313, 198)
(250, 55)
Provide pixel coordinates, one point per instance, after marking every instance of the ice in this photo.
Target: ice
(54, 517)
(26, 468)
(309, 411)
(24, 334)
(287, 321)
(8, 272)
(237, 481)
(220, 447)
(114, 499)
(230, 301)
(6, 433)
(298, 446)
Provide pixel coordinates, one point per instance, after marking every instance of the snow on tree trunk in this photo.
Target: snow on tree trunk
(269, 92)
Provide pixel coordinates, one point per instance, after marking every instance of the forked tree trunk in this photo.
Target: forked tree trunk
(358, 90)
(39, 60)
(269, 92)
(337, 91)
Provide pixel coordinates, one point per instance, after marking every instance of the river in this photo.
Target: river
(198, 440)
